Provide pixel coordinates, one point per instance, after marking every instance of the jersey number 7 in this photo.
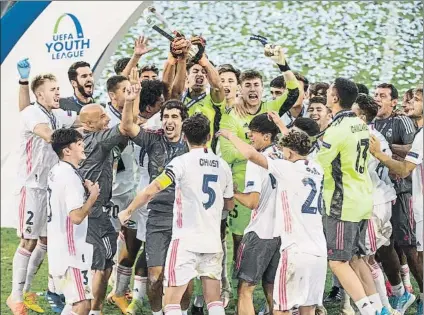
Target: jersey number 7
(208, 178)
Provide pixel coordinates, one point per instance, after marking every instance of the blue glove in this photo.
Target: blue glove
(24, 68)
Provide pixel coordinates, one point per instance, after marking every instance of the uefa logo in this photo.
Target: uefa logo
(70, 43)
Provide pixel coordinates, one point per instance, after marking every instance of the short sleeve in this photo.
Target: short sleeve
(175, 169)
(111, 137)
(66, 118)
(32, 116)
(254, 178)
(415, 155)
(229, 188)
(74, 196)
(280, 168)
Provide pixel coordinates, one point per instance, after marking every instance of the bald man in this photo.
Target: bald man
(100, 143)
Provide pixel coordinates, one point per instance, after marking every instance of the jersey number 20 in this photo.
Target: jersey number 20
(208, 178)
(306, 207)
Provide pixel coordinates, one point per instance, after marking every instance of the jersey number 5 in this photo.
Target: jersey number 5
(208, 178)
(362, 151)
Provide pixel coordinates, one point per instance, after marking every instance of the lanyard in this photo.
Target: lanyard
(194, 100)
(50, 116)
(77, 101)
(115, 111)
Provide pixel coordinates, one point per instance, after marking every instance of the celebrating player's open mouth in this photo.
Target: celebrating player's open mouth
(200, 80)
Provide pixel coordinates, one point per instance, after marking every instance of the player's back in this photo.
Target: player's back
(203, 180)
(344, 156)
(299, 204)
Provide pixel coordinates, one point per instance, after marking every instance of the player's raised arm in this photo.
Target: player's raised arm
(401, 168)
(283, 103)
(24, 69)
(140, 49)
(128, 126)
(273, 116)
(177, 77)
(245, 149)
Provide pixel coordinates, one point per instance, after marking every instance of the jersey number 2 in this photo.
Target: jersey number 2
(208, 178)
(306, 207)
(362, 151)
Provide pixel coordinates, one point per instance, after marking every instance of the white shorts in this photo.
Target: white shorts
(182, 265)
(120, 203)
(76, 285)
(299, 281)
(379, 228)
(419, 235)
(143, 213)
(31, 204)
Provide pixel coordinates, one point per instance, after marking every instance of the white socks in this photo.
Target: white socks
(34, 264)
(123, 278)
(365, 307)
(216, 308)
(376, 302)
(67, 310)
(398, 290)
(380, 285)
(20, 266)
(172, 309)
(406, 278)
(140, 287)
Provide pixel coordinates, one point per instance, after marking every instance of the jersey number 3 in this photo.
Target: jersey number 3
(362, 151)
(208, 178)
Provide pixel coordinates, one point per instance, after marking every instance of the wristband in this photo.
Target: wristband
(23, 82)
(284, 68)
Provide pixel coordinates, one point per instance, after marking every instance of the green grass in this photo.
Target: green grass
(9, 242)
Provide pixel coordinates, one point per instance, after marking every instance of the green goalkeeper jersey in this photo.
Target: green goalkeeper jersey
(344, 155)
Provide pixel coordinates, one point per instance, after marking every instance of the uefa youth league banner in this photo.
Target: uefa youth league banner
(53, 35)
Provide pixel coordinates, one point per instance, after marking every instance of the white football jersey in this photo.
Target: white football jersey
(415, 155)
(315, 149)
(383, 187)
(67, 246)
(36, 155)
(202, 181)
(288, 118)
(259, 180)
(299, 204)
(124, 167)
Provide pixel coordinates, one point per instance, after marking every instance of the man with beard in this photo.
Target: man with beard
(237, 121)
(399, 132)
(161, 147)
(81, 78)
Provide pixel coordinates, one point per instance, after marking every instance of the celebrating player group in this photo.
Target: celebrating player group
(151, 187)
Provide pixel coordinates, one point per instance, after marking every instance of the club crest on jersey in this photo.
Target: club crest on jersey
(87, 289)
(250, 183)
(389, 133)
(28, 230)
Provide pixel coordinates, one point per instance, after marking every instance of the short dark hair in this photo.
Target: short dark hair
(318, 99)
(315, 87)
(72, 71)
(362, 88)
(196, 129)
(297, 141)
(393, 91)
(262, 124)
(171, 104)
(249, 75)
(113, 81)
(62, 138)
(367, 105)
(278, 82)
(347, 92)
(149, 68)
(151, 91)
(307, 125)
(302, 78)
(409, 94)
(229, 68)
(121, 64)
